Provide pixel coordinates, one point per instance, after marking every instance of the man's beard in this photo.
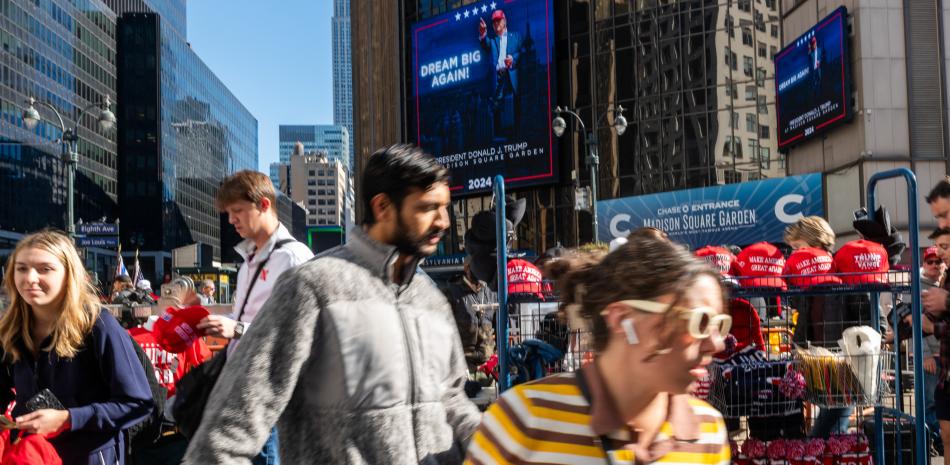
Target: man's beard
(408, 245)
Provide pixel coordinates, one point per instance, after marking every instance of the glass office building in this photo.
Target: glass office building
(62, 52)
(329, 138)
(181, 132)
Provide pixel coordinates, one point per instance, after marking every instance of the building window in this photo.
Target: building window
(313, 172)
(732, 176)
(734, 124)
(733, 147)
(729, 88)
(745, 5)
(322, 192)
(775, 30)
(747, 36)
(781, 161)
(754, 149)
(772, 51)
(763, 107)
(323, 202)
(763, 132)
(763, 51)
(311, 192)
(311, 202)
(311, 182)
(312, 211)
(765, 157)
(750, 92)
(760, 77)
(311, 222)
(747, 66)
(730, 25)
(750, 123)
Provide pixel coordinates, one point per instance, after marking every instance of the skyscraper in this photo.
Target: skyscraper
(342, 72)
(181, 131)
(41, 57)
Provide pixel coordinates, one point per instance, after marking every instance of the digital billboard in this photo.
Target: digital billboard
(483, 84)
(813, 81)
(735, 214)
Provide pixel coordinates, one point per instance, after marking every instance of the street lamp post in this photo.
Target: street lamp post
(590, 142)
(69, 142)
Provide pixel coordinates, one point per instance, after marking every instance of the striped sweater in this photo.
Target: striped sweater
(550, 421)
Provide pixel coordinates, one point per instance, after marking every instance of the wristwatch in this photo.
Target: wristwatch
(238, 330)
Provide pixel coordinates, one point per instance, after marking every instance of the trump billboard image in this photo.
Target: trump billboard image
(812, 81)
(483, 88)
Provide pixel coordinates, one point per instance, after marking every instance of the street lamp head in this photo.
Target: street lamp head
(620, 122)
(31, 117)
(106, 117)
(559, 126)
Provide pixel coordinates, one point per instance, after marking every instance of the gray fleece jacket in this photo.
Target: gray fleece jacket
(352, 368)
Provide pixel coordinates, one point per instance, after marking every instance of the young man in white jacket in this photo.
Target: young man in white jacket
(268, 249)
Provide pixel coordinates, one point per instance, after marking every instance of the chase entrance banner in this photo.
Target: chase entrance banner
(734, 214)
(482, 86)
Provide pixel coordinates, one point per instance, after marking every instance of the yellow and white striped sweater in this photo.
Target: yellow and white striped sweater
(549, 422)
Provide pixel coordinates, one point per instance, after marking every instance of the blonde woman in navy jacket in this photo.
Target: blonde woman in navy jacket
(55, 336)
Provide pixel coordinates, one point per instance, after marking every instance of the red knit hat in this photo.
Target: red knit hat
(760, 265)
(177, 328)
(719, 257)
(812, 262)
(863, 256)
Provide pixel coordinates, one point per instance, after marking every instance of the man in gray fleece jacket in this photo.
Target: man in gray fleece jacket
(356, 356)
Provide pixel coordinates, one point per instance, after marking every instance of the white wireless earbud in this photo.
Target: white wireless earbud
(627, 325)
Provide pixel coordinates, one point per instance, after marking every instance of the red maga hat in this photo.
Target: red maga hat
(497, 14)
(863, 256)
(719, 257)
(177, 328)
(931, 252)
(813, 264)
(760, 265)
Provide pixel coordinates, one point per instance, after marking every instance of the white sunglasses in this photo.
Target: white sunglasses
(701, 320)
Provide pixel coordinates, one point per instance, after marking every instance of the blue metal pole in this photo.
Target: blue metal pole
(501, 247)
(921, 456)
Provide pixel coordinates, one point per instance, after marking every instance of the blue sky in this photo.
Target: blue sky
(276, 57)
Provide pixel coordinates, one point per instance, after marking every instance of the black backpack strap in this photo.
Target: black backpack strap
(258, 273)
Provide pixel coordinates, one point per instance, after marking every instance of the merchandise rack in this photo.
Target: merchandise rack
(895, 283)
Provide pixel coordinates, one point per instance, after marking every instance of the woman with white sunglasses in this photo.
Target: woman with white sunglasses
(656, 318)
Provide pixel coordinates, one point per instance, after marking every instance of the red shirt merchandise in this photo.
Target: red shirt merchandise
(170, 366)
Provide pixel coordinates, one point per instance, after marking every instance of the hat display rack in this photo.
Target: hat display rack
(854, 372)
(858, 373)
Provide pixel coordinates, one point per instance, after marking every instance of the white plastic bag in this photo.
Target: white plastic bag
(862, 346)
